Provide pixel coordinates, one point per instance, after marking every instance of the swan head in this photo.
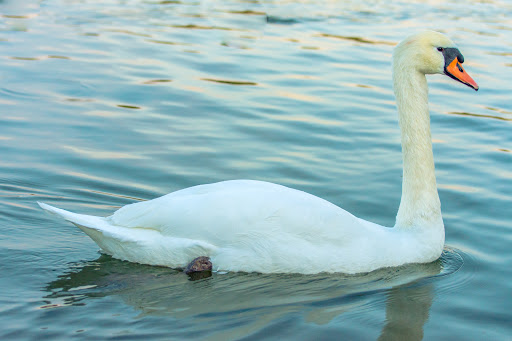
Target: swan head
(431, 52)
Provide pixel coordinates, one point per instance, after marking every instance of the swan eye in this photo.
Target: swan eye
(440, 49)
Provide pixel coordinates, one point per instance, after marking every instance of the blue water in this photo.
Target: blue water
(107, 103)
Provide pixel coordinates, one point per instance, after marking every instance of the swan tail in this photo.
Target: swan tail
(135, 244)
(91, 225)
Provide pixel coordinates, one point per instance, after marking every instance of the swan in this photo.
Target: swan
(256, 226)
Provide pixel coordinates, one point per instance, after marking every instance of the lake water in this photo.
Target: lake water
(104, 103)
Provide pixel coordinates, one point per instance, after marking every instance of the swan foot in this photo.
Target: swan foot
(200, 267)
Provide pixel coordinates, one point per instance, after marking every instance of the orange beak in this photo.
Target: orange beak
(455, 71)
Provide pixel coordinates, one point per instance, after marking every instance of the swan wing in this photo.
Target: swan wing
(219, 212)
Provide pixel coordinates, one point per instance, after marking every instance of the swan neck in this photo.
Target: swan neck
(420, 205)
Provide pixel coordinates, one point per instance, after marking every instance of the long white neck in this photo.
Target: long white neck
(420, 205)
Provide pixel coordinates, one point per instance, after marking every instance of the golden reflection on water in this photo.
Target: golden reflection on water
(501, 111)
(478, 115)
(459, 188)
(200, 27)
(297, 76)
(79, 100)
(39, 57)
(26, 16)
(193, 88)
(126, 106)
(168, 2)
(157, 81)
(309, 119)
(230, 82)
(358, 85)
(247, 12)
(165, 42)
(299, 97)
(57, 57)
(310, 48)
(26, 58)
(129, 32)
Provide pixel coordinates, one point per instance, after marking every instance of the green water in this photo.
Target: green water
(104, 103)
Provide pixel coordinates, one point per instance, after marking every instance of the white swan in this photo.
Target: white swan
(245, 225)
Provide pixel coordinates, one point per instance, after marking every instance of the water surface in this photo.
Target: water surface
(107, 103)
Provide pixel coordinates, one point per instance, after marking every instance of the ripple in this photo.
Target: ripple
(102, 154)
(361, 40)
(272, 19)
(170, 2)
(39, 57)
(501, 111)
(132, 33)
(230, 82)
(459, 188)
(452, 261)
(14, 93)
(126, 106)
(17, 191)
(79, 100)
(25, 16)
(157, 81)
(57, 57)
(164, 42)
(460, 113)
(503, 54)
(247, 12)
(299, 97)
(201, 27)
(114, 195)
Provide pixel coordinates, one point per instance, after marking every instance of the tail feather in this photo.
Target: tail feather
(86, 222)
(141, 245)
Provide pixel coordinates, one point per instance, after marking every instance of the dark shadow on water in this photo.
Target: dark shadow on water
(265, 298)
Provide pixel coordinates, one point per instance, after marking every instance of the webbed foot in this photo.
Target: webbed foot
(199, 264)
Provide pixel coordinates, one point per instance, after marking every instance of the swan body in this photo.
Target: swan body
(255, 226)
(245, 225)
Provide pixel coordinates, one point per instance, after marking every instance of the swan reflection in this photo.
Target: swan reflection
(263, 298)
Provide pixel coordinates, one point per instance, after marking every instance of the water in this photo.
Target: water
(108, 102)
